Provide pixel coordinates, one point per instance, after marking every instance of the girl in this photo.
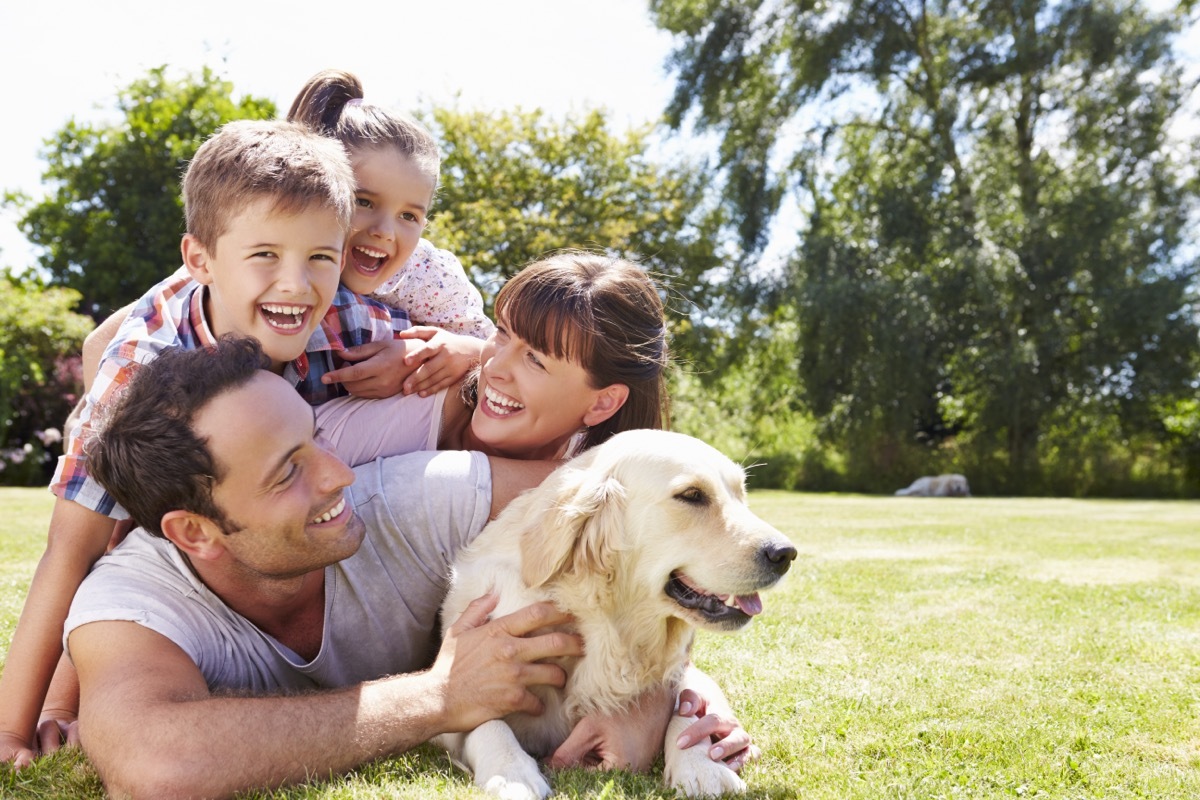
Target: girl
(396, 165)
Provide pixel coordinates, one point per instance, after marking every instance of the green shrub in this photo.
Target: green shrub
(40, 375)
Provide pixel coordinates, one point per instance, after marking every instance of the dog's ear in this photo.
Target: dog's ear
(579, 533)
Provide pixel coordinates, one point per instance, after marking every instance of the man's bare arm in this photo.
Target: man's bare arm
(152, 728)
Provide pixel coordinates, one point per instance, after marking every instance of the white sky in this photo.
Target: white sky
(68, 58)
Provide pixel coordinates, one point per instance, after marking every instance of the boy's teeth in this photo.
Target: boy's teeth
(285, 317)
(331, 513)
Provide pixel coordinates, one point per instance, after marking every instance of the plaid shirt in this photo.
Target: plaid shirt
(172, 315)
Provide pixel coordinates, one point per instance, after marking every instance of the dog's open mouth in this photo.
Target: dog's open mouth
(723, 609)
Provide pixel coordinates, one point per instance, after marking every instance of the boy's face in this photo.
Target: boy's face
(391, 204)
(271, 275)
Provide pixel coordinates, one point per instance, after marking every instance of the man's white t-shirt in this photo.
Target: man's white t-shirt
(381, 604)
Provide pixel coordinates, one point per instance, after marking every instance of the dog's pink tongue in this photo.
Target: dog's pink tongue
(750, 604)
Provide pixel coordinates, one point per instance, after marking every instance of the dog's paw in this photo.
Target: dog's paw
(692, 773)
(517, 781)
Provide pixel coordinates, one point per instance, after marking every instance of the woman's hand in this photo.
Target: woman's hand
(731, 742)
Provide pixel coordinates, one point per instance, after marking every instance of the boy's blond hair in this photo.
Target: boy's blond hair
(247, 160)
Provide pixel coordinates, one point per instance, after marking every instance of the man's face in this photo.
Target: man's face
(282, 491)
(272, 276)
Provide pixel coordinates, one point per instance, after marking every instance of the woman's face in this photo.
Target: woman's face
(530, 403)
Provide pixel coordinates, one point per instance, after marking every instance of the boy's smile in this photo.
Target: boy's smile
(272, 275)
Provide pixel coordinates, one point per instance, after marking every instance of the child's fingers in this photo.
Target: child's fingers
(363, 351)
(430, 377)
(423, 332)
(345, 375)
(418, 353)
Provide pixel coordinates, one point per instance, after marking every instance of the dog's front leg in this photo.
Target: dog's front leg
(494, 756)
(691, 771)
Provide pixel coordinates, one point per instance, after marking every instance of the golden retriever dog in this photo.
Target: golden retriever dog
(643, 539)
(937, 486)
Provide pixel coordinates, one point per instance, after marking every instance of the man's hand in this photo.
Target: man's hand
(485, 668)
(730, 741)
(441, 360)
(378, 369)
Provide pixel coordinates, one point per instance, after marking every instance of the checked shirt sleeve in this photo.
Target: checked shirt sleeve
(152, 325)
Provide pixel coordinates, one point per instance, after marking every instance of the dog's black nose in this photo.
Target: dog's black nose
(777, 557)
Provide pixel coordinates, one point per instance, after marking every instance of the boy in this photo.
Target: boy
(268, 208)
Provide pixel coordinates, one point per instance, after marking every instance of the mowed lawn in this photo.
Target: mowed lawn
(920, 648)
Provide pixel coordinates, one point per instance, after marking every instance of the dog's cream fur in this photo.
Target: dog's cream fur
(603, 537)
(937, 486)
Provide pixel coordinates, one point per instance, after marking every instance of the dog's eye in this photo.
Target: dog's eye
(693, 496)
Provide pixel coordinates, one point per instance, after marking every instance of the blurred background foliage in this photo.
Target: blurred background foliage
(993, 205)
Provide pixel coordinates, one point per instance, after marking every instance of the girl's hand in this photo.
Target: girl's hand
(441, 361)
(378, 369)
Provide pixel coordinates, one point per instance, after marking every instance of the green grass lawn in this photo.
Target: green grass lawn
(919, 648)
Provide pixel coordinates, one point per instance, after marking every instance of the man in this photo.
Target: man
(219, 458)
(260, 569)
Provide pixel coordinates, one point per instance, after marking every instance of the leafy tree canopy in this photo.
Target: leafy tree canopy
(110, 225)
(517, 186)
(995, 210)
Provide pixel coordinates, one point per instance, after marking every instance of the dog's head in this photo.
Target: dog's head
(663, 518)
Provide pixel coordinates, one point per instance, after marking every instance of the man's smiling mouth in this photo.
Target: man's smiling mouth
(331, 513)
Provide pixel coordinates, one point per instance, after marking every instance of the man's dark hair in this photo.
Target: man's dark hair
(144, 450)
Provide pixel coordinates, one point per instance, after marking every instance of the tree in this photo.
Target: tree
(995, 214)
(517, 186)
(110, 227)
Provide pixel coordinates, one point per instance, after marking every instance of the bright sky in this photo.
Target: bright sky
(68, 58)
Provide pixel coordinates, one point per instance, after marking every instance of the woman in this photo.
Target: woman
(579, 354)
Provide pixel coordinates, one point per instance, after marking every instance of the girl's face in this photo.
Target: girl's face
(530, 403)
(391, 205)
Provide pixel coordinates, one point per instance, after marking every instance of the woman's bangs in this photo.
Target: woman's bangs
(548, 322)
